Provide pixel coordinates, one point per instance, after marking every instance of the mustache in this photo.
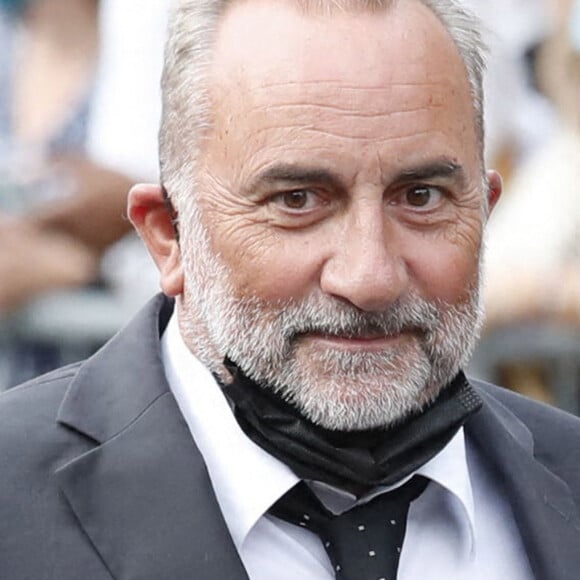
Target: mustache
(316, 316)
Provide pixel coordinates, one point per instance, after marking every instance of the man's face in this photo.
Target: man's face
(341, 205)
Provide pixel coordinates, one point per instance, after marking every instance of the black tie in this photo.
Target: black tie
(363, 543)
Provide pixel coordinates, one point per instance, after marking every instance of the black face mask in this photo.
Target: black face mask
(356, 461)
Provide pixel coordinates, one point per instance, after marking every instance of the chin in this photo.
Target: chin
(358, 399)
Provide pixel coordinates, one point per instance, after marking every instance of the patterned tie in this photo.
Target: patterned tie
(363, 543)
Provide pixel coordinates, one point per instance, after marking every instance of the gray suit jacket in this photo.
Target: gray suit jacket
(100, 478)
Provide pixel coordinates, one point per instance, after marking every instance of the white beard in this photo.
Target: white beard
(333, 388)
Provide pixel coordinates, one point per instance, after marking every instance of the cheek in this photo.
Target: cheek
(445, 271)
(267, 264)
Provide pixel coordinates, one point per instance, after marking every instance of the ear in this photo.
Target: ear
(150, 214)
(494, 191)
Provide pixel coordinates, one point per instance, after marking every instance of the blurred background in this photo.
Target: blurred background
(79, 112)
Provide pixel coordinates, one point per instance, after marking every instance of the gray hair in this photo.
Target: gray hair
(186, 104)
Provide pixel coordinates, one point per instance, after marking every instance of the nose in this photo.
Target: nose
(366, 266)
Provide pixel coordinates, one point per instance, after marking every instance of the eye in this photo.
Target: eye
(422, 197)
(299, 208)
(298, 200)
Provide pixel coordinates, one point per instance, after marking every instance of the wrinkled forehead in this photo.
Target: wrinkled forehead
(284, 78)
(271, 49)
(259, 41)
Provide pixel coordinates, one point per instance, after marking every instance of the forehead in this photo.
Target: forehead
(384, 75)
(261, 40)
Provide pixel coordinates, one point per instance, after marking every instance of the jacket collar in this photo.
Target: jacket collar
(122, 380)
(542, 503)
(142, 495)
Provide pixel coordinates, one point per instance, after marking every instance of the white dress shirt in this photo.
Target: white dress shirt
(459, 528)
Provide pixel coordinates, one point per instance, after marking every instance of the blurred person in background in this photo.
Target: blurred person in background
(123, 128)
(72, 141)
(514, 29)
(48, 53)
(533, 258)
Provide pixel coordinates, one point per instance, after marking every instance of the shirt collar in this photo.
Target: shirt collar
(449, 469)
(246, 479)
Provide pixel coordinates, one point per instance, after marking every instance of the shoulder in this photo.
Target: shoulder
(34, 515)
(533, 413)
(31, 440)
(556, 433)
(34, 399)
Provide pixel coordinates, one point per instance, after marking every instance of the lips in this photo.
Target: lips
(362, 337)
(362, 342)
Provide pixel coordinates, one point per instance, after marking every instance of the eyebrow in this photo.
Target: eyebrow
(304, 175)
(297, 175)
(443, 169)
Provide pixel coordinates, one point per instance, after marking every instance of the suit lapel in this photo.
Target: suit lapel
(142, 495)
(541, 502)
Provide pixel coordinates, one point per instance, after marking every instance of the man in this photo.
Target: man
(302, 412)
